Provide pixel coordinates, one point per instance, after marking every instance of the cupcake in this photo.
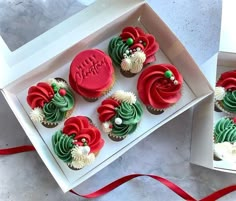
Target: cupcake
(51, 102)
(120, 115)
(132, 49)
(78, 143)
(159, 87)
(225, 92)
(91, 74)
(225, 139)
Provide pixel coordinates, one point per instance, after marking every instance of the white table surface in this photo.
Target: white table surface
(166, 152)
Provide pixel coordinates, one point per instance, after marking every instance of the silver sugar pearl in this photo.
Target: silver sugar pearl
(176, 82)
(118, 121)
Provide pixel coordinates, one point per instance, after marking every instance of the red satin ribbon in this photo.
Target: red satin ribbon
(108, 188)
(125, 179)
(16, 150)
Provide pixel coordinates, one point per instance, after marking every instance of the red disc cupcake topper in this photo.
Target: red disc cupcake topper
(91, 64)
(91, 73)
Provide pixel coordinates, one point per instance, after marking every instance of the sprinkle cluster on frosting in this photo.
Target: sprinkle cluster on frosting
(50, 101)
(120, 113)
(78, 142)
(225, 92)
(132, 49)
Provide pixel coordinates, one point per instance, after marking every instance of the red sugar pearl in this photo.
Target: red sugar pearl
(62, 92)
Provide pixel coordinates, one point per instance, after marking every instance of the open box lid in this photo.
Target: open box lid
(14, 64)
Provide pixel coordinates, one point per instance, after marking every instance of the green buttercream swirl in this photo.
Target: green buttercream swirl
(62, 145)
(116, 50)
(56, 109)
(130, 114)
(64, 103)
(52, 113)
(123, 129)
(229, 101)
(225, 131)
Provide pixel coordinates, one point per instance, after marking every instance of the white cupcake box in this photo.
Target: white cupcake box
(205, 117)
(48, 56)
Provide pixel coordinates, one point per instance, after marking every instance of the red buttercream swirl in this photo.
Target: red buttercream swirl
(107, 109)
(39, 95)
(83, 129)
(137, 34)
(227, 80)
(156, 90)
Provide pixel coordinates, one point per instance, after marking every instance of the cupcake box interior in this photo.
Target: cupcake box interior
(132, 13)
(205, 116)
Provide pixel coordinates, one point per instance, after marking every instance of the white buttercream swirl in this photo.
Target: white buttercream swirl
(52, 80)
(126, 64)
(219, 93)
(81, 157)
(106, 127)
(137, 59)
(124, 96)
(62, 84)
(37, 115)
(134, 62)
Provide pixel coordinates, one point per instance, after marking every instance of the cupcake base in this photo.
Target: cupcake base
(60, 79)
(216, 109)
(91, 100)
(154, 111)
(72, 168)
(116, 138)
(127, 74)
(49, 124)
(220, 107)
(216, 158)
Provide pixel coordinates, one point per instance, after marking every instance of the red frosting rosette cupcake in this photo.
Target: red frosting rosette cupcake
(51, 102)
(159, 87)
(132, 49)
(225, 92)
(91, 74)
(78, 143)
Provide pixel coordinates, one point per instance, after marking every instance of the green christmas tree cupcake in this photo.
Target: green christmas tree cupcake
(225, 139)
(120, 115)
(51, 102)
(132, 50)
(225, 92)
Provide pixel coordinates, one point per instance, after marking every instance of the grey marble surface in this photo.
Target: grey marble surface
(166, 152)
(23, 20)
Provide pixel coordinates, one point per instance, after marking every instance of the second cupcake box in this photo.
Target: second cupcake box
(213, 143)
(79, 126)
